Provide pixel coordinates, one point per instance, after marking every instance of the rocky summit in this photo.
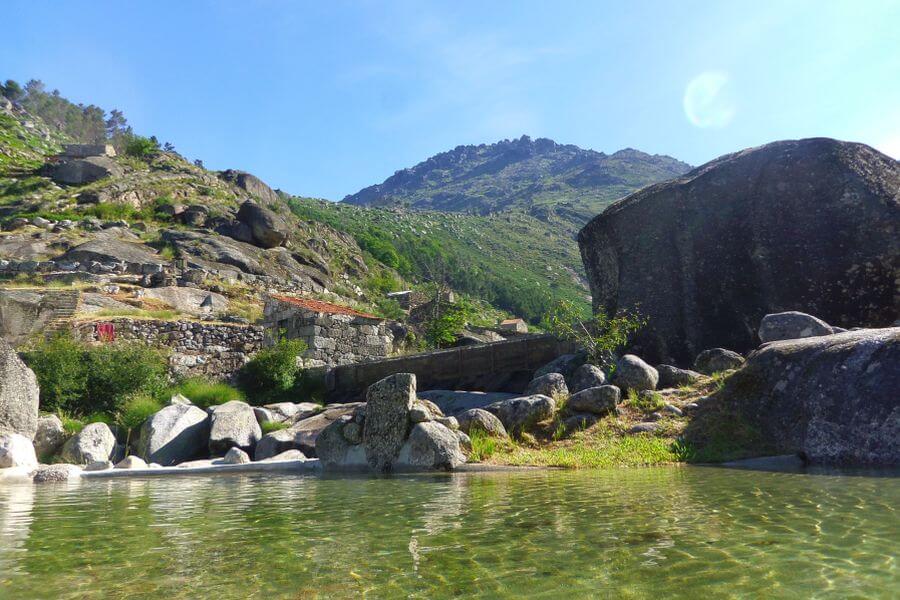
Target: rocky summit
(810, 225)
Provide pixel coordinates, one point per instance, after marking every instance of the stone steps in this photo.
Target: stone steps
(64, 305)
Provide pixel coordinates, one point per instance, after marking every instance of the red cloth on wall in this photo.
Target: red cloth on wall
(106, 332)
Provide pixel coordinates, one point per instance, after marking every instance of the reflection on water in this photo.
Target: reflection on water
(636, 533)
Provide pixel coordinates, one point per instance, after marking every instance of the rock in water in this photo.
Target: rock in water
(431, 446)
(551, 384)
(811, 223)
(235, 456)
(832, 398)
(18, 394)
(131, 462)
(587, 376)
(632, 373)
(519, 414)
(388, 403)
(233, 424)
(478, 419)
(177, 433)
(49, 437)
(16, 450)
(791, 325)
(94, 442)
(715, 360)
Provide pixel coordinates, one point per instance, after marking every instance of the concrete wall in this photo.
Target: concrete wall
(500, 366)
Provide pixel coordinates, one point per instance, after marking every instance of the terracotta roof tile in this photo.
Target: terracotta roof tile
(323, 307)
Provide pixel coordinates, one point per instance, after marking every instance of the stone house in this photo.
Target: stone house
(513, 326)
(335, 334)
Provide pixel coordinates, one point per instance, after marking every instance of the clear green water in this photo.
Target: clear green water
(640, 533)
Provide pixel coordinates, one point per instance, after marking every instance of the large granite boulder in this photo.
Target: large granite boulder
(95, 442)
(18, 394)
(251, 184)
(49, 437)
(832, 398)
(268, 229)
(519, 414)
(16, 450)
(478, 419)
(110, 250)
(175, 434)
(304, 434)
(233, 425)
(811, 224)
(791, 325)
(336, 451)
(671, 376)
(551, 384)
(431, 446)
(388, 403)
(632, 373)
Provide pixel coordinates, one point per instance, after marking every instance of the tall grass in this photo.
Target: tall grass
(205, 393)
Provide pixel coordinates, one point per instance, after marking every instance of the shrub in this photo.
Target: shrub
(136, 409)
(141, 147)
(600, 335)
(272, 373)
(80, 379)
(205, 393)
(441, 330)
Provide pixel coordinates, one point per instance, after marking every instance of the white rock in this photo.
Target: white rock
(16, 450)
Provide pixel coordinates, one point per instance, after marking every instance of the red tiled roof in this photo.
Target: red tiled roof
(511, 321)
(323, 307)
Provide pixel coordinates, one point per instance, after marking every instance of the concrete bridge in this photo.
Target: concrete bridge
(495, 367)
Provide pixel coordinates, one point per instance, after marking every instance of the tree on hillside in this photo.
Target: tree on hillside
(12, 90)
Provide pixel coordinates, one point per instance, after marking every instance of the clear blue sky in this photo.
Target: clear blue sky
(324, 98)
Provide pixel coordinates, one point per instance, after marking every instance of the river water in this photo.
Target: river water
(689, 532)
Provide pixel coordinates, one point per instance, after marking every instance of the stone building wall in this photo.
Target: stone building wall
(213, 350)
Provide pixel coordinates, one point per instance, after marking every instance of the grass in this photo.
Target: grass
(270, 426)
(647, 403)
(161, 314)
(205, 393)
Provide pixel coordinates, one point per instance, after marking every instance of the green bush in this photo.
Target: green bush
(136, 409)
(271, 374)
(81, 379)
(205, 393)
(141, 147)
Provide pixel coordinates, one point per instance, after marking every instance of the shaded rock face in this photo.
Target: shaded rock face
(586, 376)
(251, 184)
(388, 403)
(671, 376)
(267, 228)
(50, 435)
(177, 433)
(303, 436)
(715, 360)
(707, 255)
(832, 398)
(93, 443)
(18, 394)
(84, 170)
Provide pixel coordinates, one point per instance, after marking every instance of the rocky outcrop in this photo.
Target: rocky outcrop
(831, 398)
(95, 442)
(108, 250)
(600, 400)
(267, 228)
(303, 435)
(83, 170)
(519, 414)
(16, 450)
(231, 425)
(791, 325)
(56, 473)
(251, 184)
(18, 394)
(382, 436)
(177, 433)
(809, 224)
(632, 373)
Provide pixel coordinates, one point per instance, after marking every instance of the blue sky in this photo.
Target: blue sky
(322, 99)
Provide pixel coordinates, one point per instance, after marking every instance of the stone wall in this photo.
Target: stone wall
(336, 339)
(500, 366)
(214, 350)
